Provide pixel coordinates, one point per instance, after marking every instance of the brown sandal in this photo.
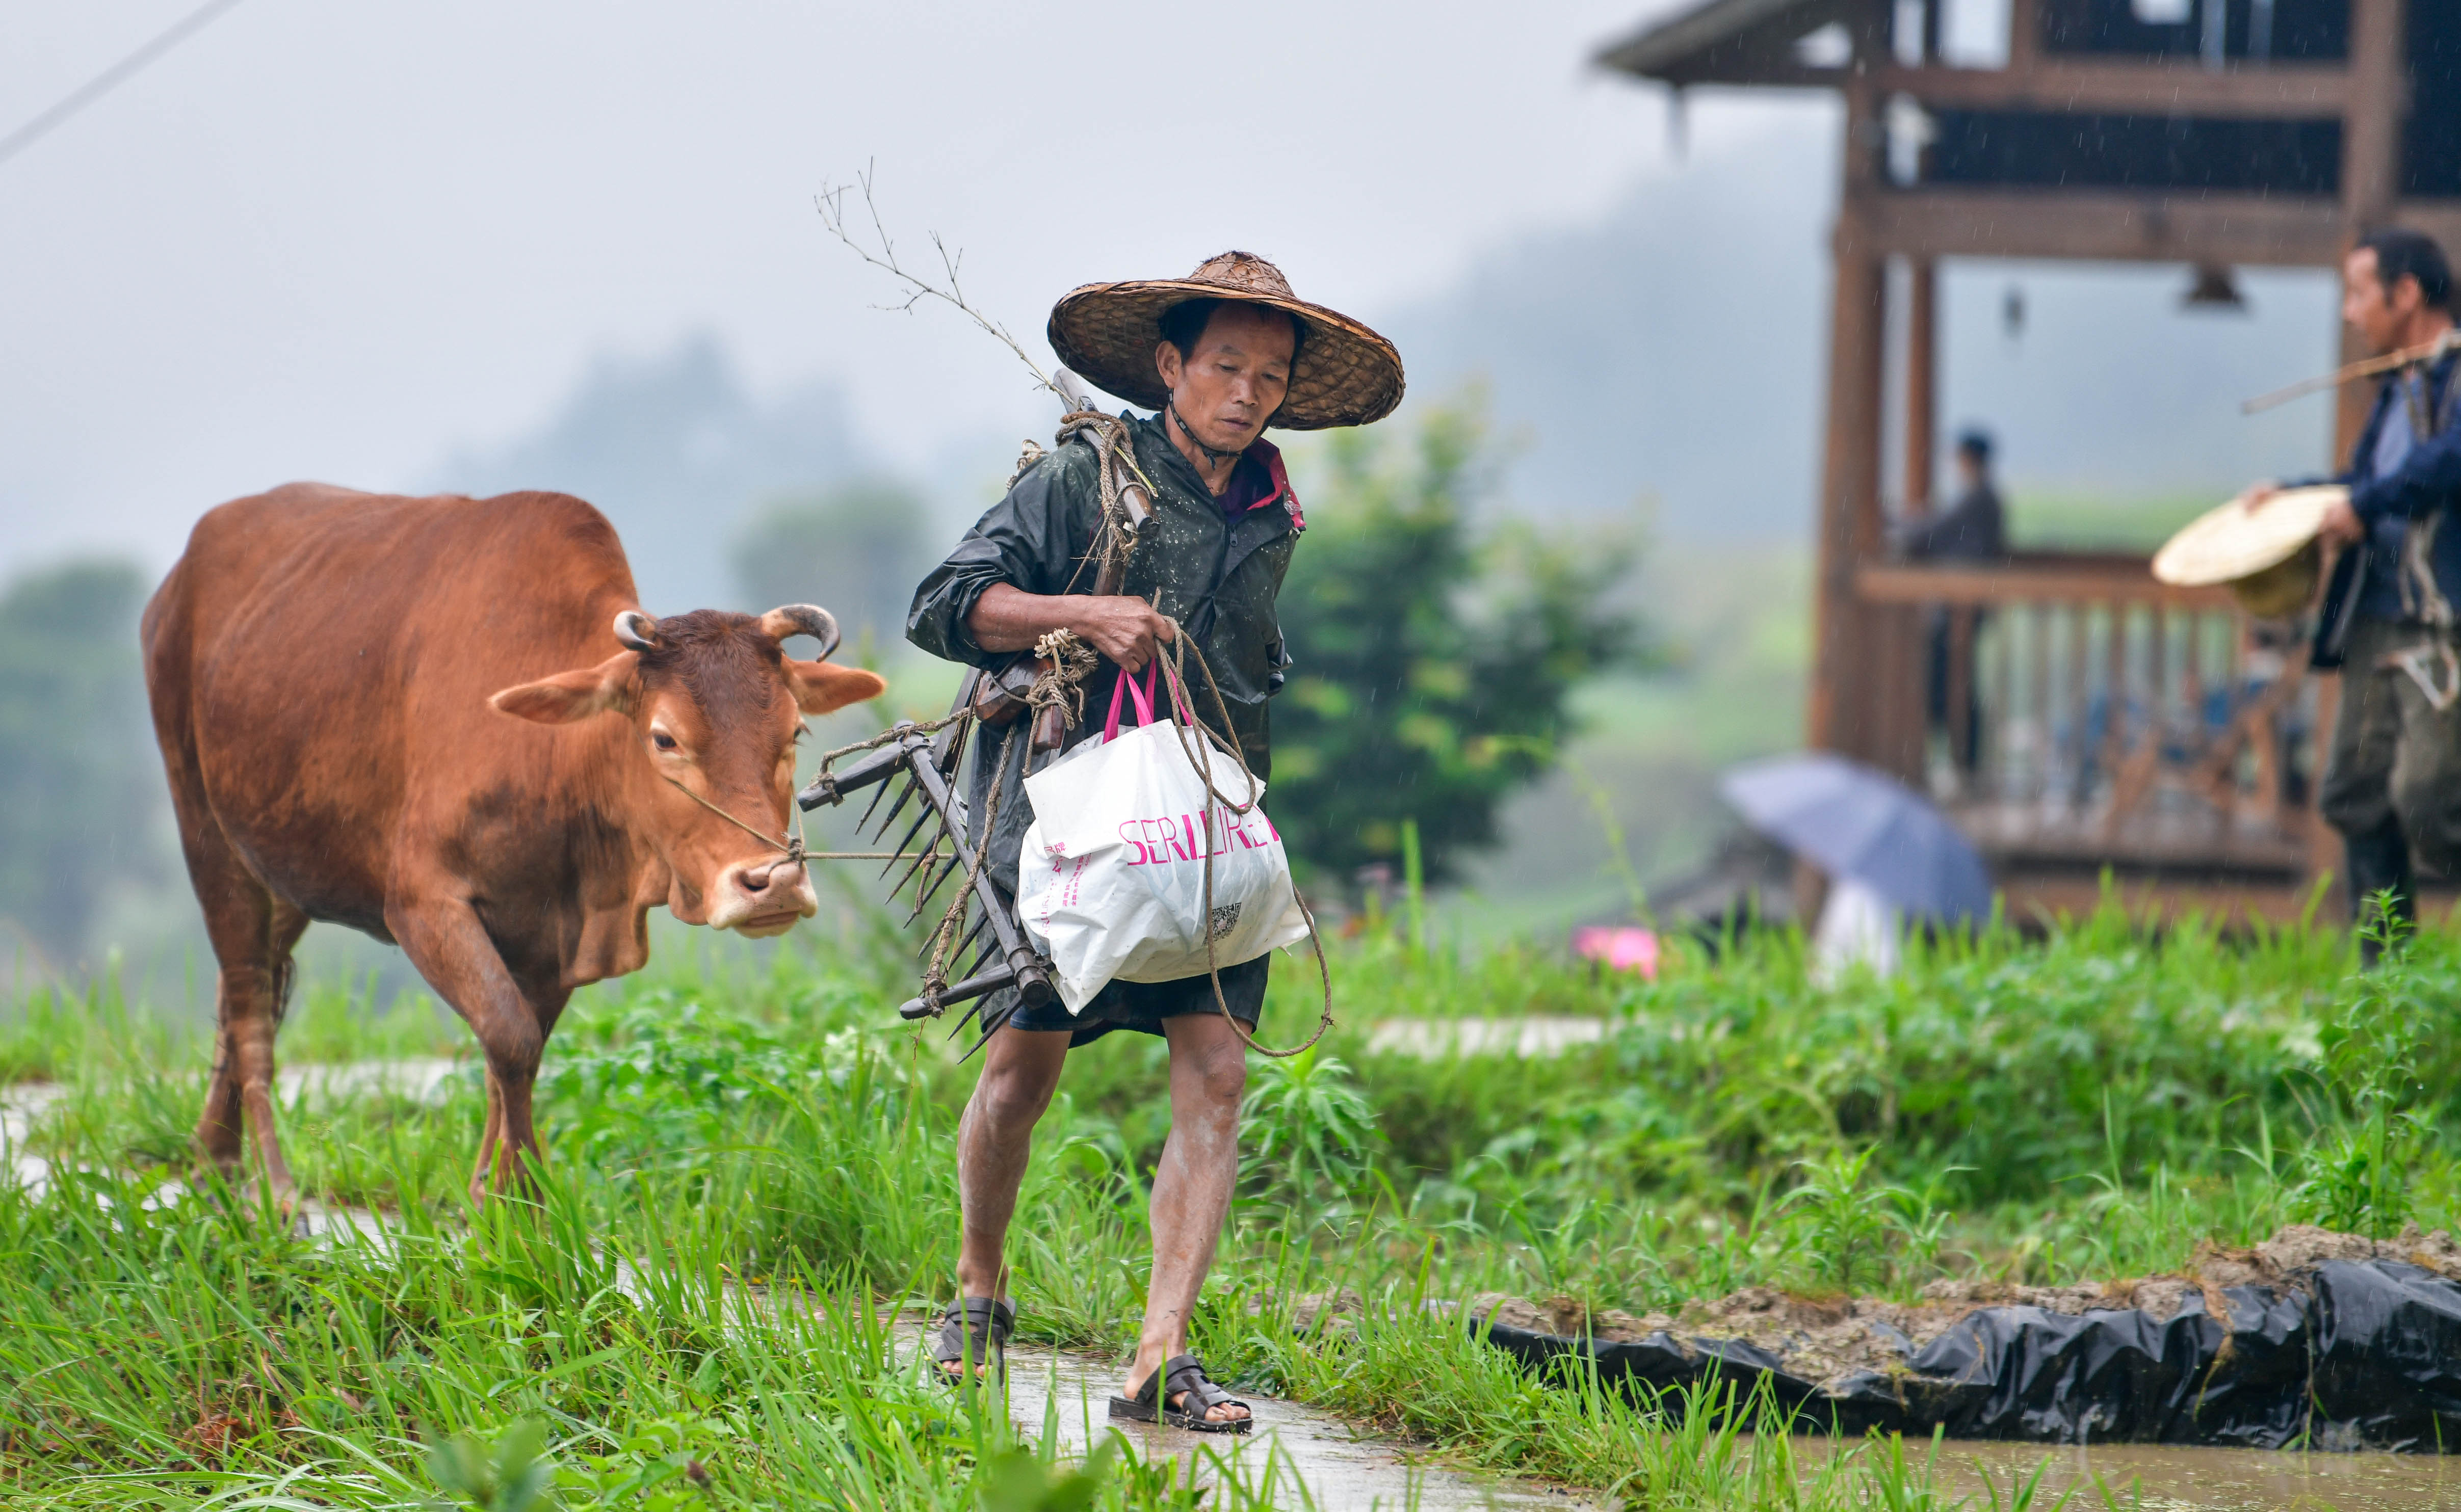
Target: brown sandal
(1183, 1376)
(974, 1332)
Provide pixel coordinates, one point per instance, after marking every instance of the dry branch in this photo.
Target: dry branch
(831, 203)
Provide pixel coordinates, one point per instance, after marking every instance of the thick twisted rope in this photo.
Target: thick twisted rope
(1116, 540)
(1197, 744)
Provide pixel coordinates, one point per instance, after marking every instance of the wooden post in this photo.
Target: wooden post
(1964, 734)
(1898, 633)
(2370, 168)
(2024, 35)
(1843, 661)
(1922, 378)
(2370, 189)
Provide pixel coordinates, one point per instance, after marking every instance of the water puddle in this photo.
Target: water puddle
(1338, 1467)
(2154, 1476)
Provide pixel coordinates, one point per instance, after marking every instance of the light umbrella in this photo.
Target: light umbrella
(1855, 822)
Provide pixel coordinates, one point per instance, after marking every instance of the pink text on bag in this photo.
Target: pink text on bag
(1162, 842)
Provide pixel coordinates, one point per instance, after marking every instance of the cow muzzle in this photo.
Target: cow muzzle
(763, 897)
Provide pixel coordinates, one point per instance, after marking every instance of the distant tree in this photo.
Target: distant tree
(674, 447)
(81, 787)
(857, 550)
(1433, 668)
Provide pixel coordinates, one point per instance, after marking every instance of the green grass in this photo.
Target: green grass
(2052, 521)
(2080, 1107)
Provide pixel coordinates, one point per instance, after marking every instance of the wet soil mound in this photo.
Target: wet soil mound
(2312, 1338)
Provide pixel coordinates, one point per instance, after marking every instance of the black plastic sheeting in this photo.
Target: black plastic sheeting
(2355, 1354)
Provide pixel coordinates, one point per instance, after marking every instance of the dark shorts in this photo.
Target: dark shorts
(1142, 1006)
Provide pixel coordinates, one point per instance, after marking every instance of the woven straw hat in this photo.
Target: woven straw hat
(1346, 374)
(2268, 557)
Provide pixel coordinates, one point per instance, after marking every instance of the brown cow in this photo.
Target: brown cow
(331, 676)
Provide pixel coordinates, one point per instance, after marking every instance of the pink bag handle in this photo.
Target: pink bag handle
(1143, 697)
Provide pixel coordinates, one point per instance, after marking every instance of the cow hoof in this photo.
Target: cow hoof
(255, 1195)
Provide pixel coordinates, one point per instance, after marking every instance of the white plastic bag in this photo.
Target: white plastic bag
(1111, 880)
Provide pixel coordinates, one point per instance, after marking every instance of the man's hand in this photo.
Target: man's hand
(2339, 525)
(2342, 525)
(1127, 631)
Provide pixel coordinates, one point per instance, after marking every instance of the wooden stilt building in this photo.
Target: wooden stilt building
(2151, 733)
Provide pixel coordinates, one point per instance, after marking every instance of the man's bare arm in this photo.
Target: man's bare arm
(1127, 631)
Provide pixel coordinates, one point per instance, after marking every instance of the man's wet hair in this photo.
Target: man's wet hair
(1975, 444)
(1184, 324)
(2403, 253)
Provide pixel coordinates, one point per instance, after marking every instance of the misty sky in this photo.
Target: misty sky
(341, 241)
(354, 241)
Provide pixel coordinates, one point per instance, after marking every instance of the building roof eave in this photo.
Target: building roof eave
(1675, 50)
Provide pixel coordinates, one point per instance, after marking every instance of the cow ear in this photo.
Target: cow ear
(820, 687)
(568, 696)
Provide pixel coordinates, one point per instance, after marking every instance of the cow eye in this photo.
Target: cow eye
(662, 740)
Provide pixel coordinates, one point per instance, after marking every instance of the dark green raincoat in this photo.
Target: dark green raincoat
(1217, 577)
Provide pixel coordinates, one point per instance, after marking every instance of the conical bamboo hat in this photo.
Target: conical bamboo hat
(1346, 374)
(2234, 541)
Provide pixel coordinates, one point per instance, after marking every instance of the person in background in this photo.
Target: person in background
(2393, 781)
(1974, 528)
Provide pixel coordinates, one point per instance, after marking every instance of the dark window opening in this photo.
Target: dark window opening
(2043, 149)
(2431, 139)
(2299, 30)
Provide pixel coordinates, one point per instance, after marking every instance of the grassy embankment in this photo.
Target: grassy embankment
(2090, 1106)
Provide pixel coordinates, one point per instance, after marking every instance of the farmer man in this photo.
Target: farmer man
(1219, 356)
(2392, 783)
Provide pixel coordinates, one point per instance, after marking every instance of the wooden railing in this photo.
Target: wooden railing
(2115, 720)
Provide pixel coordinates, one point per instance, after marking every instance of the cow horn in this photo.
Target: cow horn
(803, 619)
(636, 630)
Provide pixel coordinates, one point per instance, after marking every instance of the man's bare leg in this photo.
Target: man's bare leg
(1191, 1192)
(1020, 1069)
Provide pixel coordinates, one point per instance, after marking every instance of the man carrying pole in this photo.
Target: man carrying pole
(2392, 782)
(1220, 356)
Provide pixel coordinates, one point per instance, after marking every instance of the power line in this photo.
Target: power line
(112, 78)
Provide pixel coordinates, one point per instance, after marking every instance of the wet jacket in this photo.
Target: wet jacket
(2421, 491)
(1217, 577)
(1973, 529)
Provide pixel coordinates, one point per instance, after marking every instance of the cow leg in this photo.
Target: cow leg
(252, 1044)
(520, 1149)
(252, 933)
(488, 1138)
(444, 939)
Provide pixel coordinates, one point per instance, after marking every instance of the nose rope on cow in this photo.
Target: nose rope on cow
(795, 853)
(795, 850)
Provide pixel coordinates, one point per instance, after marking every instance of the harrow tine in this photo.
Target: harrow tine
(924, 946)
(976, 1017)
(937, 880)
(879, 791)
(993, 1024)
(899, 849)
(905, 792)
(923, 861)
(969, 938)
